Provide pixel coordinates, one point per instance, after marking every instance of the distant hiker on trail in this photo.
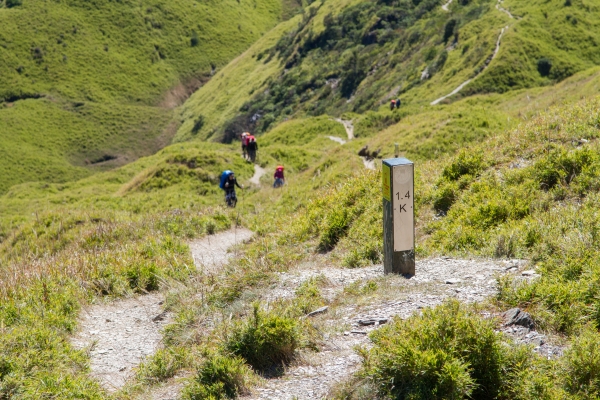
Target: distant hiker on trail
(244, 144)
(278, 176)
(392, 104)
(228, 184)
(252, 147)
(398, 102)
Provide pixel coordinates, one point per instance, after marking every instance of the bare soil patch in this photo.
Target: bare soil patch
(119, 335)
(213, 251)
(347, 322)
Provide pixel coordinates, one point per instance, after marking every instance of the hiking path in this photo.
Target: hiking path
(119, 335)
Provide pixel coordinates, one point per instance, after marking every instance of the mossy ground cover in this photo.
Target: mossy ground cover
(86, 80)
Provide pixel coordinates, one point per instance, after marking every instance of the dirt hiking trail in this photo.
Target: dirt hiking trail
(488, 61)
(120, 334)
(345, 325)
(258, 173)
(337, 139)
(212, 251)
(348, 126)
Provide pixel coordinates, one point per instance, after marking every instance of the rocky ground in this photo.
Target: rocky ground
(345, 324)
(119, 335)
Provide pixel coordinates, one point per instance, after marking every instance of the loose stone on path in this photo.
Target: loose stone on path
(213, 251)
(120, 335)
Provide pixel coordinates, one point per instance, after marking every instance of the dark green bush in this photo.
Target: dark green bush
(265, 340)
(544, 65)
(335, 227)
(219, 377)
(449, 29)
(13, 3)
(466, 163)
(447, 353)
(582, 365)
(444, 197)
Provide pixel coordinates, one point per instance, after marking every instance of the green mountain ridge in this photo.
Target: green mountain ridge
(90, 85)
(506, 168)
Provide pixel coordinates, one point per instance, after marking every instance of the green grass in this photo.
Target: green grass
(108, 75)
(313, 56)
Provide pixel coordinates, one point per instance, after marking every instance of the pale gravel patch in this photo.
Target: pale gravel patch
(314, 375)
(258, 173)
(213, 251)
(369, 163)
(337, 139)
(348, 126)
(119, 336)
(445, 6)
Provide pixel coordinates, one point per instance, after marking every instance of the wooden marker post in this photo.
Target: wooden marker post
(398, 216)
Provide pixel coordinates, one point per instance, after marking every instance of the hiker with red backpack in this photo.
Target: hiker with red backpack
(278, 176)
(252, 147)
(244, 144)
(228, 184)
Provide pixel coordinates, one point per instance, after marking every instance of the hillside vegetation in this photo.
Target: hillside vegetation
(90, 85)
(343, 56)
(507, 168)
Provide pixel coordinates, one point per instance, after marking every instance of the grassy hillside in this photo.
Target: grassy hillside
(90, 85)
(526, 192)
(344, 56)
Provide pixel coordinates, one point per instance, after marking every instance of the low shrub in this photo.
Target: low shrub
(219, 377)
(446, 353)
(264, 340)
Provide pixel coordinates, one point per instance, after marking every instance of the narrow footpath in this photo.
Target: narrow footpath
(119, 335)
(345, 325)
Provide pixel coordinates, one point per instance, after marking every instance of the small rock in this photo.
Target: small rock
(346, 333)
(529, 272)
(318, 311)
(160, 317)
(515, 316)
(359, 332)
(108, 320)
(452, 281)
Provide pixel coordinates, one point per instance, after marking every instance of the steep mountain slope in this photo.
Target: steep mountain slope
(89, 85)
(345, 56)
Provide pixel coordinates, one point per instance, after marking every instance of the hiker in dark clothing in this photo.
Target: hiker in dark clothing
(398, 103)
(279, 177)
(229, 188)
(392, 104)
(252, 147)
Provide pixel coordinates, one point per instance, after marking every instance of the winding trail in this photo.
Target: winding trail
(337, 139)
(445, 6)
(211, 252)
(120, 335)
(504, 10)
(487, 64)
(314, 375)
(258, 173)
(348, 125)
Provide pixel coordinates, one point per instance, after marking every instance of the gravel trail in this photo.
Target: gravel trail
(487, 63)
(258, 173)
(313, 375)
(337, 139)
(212, 251)
(119, 336)
(348, 125)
